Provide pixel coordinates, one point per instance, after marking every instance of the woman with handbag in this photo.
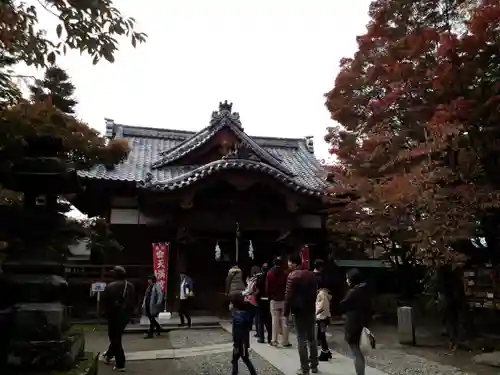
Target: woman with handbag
(185, 295)
(356, 306)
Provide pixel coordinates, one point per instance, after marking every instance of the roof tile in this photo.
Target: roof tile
(148, 144)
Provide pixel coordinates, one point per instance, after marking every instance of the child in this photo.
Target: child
(323, 316)
(241, 333)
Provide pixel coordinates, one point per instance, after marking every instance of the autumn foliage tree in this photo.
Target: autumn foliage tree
(91, 27)
(418, 106)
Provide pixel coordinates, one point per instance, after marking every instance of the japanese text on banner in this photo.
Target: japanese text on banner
(160, 263)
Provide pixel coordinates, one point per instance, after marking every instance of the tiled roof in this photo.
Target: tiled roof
(289, 160)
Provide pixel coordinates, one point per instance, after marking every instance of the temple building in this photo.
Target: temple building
(216, 196)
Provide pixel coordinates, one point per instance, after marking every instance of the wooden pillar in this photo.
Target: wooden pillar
(173, 275)
(324, 247)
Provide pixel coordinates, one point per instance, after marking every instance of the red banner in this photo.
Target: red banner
(304, 254)
(160, 263)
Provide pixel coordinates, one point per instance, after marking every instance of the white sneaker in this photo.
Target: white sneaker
(121, 369)
(107, 360)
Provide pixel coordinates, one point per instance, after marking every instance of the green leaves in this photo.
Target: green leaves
(91, 27)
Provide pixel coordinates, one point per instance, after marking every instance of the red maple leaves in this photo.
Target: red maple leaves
(419, 105)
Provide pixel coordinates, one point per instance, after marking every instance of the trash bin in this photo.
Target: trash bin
(406, 325)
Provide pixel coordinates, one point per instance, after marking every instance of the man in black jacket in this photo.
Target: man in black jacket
(357, 308)
(119, 302)
(263, 306)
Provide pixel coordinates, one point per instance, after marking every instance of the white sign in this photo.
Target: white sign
(98, 287)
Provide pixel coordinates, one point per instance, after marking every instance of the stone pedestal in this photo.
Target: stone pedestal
(406, 325)
(41, 334)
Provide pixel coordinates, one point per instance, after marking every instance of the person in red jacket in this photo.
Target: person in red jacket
(275, 291)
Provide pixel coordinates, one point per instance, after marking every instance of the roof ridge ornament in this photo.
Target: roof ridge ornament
(309, 143)
(225, 115)
(225, 106)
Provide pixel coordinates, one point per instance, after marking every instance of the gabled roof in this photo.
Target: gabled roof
(152, 150)
(224, 118)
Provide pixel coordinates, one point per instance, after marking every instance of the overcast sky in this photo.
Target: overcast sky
(274, 59)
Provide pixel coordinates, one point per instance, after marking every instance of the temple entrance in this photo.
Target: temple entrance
(208, 268)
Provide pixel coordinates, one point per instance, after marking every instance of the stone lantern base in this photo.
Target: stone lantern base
(42, 336)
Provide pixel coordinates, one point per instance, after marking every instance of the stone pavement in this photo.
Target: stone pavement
(287, 360)
(146, 355)
(196, 321)
(179, 352)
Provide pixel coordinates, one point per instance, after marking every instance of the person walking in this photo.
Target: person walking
(263, 306)
(185, 294)
(323, 316)
(357, 308)
(275, 291)
(300, 300)
(241, 333)
(118, 301)
(152, 306)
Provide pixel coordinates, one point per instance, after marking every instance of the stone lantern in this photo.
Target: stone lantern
(41, 335)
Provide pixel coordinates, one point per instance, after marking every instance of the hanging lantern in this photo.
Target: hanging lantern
(250, 250)
(218, 251)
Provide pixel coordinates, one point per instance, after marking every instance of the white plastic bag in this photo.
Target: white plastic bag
(367, 340)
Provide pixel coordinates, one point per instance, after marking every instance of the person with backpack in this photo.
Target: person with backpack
(118, 302)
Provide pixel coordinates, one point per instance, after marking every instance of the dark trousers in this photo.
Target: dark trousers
(359, 359)
(254, 315)
(240, 350)
(116, 327)
(452, 321)
(184, 311)
(306, 339)
(264, 320)
(321, 334)
(154, 326)
(6, 323)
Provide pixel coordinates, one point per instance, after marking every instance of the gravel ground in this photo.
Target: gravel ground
(397, 360)
(397, 363)
(188, 338)
(212, 364)
(154, 367)
(97, 341)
